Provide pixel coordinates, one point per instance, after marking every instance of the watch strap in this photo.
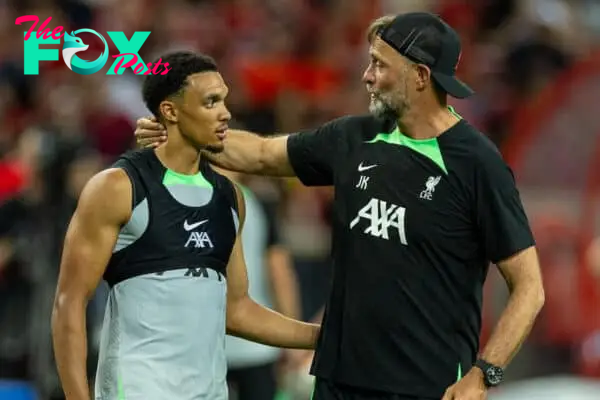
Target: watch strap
(486, 368)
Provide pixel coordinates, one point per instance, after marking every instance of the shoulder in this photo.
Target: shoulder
(363, 120)
(362, 123)
(472, 147)
(109, 182)
(487, 157)
(133, 157)
(353, 124)
(108, 193)
(340, 135)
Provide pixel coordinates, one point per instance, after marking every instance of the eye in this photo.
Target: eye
(211, 101)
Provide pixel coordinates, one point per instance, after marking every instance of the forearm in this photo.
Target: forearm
(256, 323)
(242, 152)
(252, 154)
(70, 349)
(514, 325)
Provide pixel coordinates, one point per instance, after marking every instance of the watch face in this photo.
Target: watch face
(494, 375)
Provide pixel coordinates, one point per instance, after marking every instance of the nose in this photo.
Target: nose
(368, 76)
(225, 116)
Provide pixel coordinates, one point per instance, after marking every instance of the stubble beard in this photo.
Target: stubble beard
(385, 107)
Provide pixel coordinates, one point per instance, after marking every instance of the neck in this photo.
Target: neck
(178, 154)
(426, 125)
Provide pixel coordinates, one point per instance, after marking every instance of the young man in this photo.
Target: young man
(163, 229)
(423, 203)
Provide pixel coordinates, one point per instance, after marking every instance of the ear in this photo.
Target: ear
(169, 112)
(423, 76)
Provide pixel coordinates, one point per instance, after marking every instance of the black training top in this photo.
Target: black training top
(415, 225)
(178, 221)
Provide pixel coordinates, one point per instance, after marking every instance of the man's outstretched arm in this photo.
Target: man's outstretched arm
(244, 151)
(311, 155)
(250, 153)
(250, 320)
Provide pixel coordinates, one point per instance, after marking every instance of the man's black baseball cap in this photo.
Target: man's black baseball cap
(426, 39)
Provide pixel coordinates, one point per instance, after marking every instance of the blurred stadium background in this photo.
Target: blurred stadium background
(294, 64)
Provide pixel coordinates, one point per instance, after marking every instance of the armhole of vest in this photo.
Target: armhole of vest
(229, 191)
(232, 194)
(138, 190)
(221, 182)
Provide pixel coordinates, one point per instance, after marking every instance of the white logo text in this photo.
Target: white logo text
(199, 240)
(362, 182)
(381, 217)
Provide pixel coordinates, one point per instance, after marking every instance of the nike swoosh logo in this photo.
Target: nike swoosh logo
(189, 227)
(362, 167)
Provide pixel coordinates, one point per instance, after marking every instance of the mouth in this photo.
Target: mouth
(222, 132)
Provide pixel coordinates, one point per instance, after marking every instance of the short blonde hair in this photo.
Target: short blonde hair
(376, 25)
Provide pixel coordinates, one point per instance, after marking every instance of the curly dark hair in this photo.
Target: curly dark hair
(182, 64)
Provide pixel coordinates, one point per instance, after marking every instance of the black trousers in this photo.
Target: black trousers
(253, 383)
(325, 390)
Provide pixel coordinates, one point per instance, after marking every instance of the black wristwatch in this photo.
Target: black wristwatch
(492, 375)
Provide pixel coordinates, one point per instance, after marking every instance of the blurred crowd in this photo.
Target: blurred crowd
(290, 65)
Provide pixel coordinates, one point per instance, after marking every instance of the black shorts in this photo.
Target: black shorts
(250, 383)
(326, 390)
